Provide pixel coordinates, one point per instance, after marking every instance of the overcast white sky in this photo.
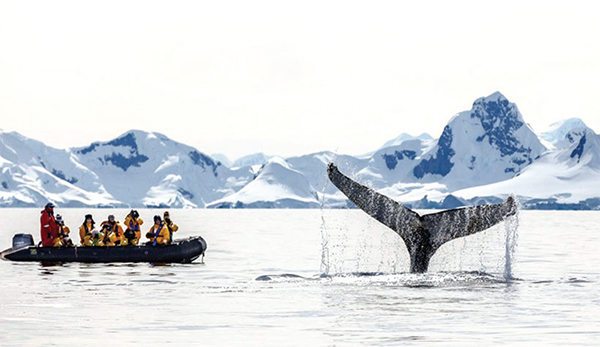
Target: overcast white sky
(285, 77)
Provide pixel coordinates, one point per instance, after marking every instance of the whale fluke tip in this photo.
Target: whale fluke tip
(512, 204)
(330, 168)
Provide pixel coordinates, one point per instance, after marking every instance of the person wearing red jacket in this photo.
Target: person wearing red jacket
(49, 228)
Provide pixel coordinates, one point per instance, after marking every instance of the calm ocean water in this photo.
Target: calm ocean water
(329, 278)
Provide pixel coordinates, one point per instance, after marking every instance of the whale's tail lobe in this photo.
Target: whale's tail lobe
(423, 235)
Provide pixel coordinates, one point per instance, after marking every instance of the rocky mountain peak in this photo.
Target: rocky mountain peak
(490, 142)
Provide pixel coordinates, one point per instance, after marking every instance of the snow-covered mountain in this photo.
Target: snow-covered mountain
(149, 169)
(32, 173)
(135, 169)
(482, 155)
(566, 177)
(314, 168)
(394, 164)
(405, 137)
(558, 131)
(222, 158)
(251, 160)
(275, 185)
(489, 143)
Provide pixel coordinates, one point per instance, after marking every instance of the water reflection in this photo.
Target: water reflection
(46, 272)
(48, 268)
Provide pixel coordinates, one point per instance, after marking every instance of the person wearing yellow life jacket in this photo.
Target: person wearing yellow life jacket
(63, 234)
(113, 233)
(133, 232)
(130, 238)
(158, 233)
(170, 225)
(94, 238)
(86, 228)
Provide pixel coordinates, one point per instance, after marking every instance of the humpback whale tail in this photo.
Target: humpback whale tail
(423, 235)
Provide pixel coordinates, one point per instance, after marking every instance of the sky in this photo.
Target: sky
(288, 77)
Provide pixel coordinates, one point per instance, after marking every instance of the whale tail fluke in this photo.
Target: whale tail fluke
(451, 224)
(387, 211)
(423, 235)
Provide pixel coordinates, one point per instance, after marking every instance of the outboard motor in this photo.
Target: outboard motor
(21, 241)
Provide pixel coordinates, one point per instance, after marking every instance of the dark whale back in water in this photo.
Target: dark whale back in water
(423, 235)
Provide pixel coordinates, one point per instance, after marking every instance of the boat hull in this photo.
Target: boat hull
(181, 251)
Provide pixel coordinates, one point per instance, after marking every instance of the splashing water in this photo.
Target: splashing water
(364, 247)
(324, 238)
(324, 269)
(324, 246)
(511, 226)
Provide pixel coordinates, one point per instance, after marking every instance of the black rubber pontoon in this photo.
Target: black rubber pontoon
(180, 251)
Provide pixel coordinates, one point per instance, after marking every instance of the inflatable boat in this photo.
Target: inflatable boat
(180, 251)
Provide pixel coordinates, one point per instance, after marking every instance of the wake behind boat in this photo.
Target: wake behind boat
(180, 251)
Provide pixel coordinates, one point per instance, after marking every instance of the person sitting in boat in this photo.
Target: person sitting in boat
(158, 233)
(170, 225)
(133, 232)
(130, 238)
(49, 228)
(86, 228)
(63, 232)
(113, 233)
(94, 238)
